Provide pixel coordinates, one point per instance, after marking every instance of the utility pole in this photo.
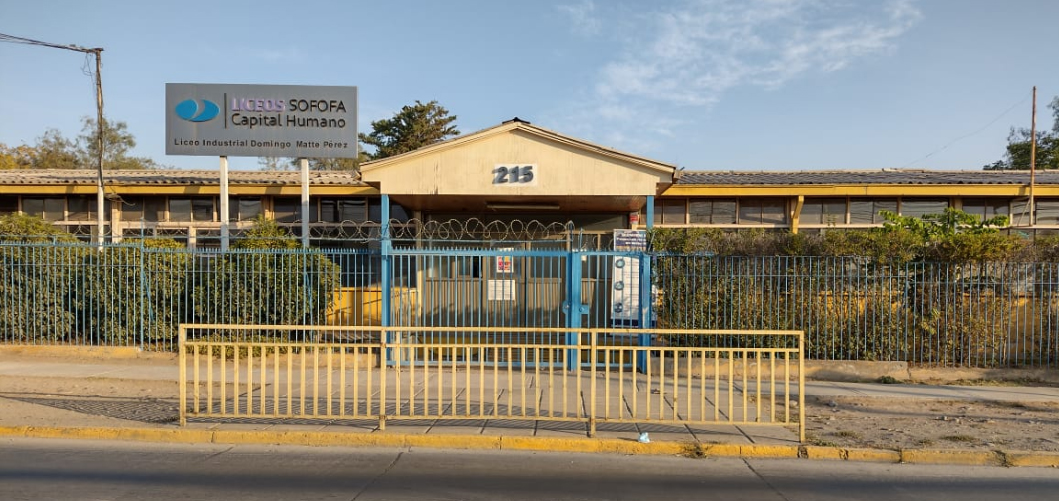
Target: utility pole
(100, 205)
(98, 52)
(1033, 155)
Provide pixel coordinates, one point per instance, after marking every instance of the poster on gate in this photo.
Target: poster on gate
(505, 264)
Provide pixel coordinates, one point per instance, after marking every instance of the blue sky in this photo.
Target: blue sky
(704, 84)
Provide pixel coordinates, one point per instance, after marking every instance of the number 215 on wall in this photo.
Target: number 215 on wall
(513, 174)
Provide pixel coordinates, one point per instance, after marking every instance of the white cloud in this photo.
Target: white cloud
(583, 17)
(686, 56)
(696, 53)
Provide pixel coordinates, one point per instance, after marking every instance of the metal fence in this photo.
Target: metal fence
(976, 315)
(277, 379)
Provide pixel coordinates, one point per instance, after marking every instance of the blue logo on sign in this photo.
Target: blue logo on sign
(189, 110)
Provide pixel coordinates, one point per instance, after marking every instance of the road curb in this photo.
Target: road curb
(550, 444)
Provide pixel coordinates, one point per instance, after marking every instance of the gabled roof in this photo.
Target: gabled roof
(517, 124)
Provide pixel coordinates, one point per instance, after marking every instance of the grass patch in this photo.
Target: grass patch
(924, 442)
(960, 438)
(693, 450)
(847, 434)
(888, 380)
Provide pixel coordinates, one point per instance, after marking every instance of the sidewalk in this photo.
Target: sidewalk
(93, 397)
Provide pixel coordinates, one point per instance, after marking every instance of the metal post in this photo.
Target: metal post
(1033, 158)
(387, 271)
(573, 308)
(303, 164)
(646, 301)
(100, 224)
(224, 204)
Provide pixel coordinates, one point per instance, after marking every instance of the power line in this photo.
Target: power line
(98, 52)
(965, 136)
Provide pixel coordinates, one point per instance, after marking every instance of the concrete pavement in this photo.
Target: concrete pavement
(56, 399)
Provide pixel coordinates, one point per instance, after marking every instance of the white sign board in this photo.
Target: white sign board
(295, 121)
(625, 293)
(500, 290)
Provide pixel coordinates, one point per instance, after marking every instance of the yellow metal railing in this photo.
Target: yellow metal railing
(388, 373)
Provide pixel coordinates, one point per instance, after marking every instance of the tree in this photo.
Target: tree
(288, 164)
(272, 164)
(953, 236)
(16, 157)
(1017, 156)
(411, 128)
(53, 151)
(117, 143)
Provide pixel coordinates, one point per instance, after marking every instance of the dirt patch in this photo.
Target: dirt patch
(900, 423)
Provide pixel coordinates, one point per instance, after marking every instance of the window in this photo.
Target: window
(80, 208)
(1047, 210)
(1020, 212)
(375, 210)
(919, 207)
(191, 209)
(711, 210)
(83, 208)
(762, 211)
(50, 208)
(287, 209)
(397, 212)
(670, 211)
(244, 209)
(337, 210)
(866, 210)
(987, 208)
(829, 211)
(8, 205)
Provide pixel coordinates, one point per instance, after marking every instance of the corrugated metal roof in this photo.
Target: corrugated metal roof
(344, 178)
(175, 177)
(880, 177)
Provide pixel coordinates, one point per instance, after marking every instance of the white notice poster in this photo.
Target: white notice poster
(501, 290)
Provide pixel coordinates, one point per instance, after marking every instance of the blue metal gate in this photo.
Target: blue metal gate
(504, 286)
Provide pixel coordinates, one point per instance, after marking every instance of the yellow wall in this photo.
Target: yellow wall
(559, 170)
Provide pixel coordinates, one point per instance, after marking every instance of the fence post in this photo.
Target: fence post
(646, 301)
(181, 339)
(573, 308)
(386, 246)
(646, 307)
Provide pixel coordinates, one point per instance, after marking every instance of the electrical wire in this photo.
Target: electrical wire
(965, 136)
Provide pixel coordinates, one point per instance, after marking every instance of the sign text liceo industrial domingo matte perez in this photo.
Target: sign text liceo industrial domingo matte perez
(261, 120)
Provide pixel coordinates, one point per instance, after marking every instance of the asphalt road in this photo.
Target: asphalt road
(90, 470)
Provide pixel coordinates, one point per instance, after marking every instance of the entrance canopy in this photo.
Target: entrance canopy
(518, 167)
